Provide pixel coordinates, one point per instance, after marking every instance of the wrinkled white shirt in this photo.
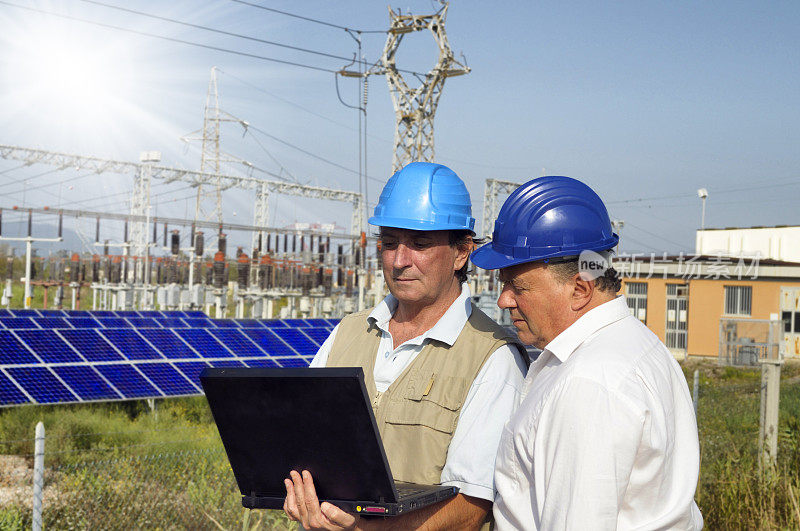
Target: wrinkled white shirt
(605, 435)
(489, 403)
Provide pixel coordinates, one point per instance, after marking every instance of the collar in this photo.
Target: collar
(565, 343)
(446, 329)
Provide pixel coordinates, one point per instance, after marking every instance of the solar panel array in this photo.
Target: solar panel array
(60, 356)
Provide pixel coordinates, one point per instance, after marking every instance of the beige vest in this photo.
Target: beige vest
(417, 415)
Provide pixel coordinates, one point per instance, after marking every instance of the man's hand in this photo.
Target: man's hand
(302, 505)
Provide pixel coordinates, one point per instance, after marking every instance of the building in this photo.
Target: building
(776, 243)
(682, 298)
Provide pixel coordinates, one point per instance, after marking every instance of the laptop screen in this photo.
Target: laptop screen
(272, 421)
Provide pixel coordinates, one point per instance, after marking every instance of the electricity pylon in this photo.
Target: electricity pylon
(209, 192)
(415, 108)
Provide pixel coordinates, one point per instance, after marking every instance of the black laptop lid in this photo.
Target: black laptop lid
(272, 421)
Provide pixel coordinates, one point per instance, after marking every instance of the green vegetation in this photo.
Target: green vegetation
(119, 465)
(731, 493)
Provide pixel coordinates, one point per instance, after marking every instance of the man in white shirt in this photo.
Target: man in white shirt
(605, 435)
(443, 378)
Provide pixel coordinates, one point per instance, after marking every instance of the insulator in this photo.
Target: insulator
(327, 282)
(172, 272)
(209, 274)
(269, 243)
(175, 242)
(165, 234)
(191, 235)
(60, 224)
(75, 269)
(1, 221)
(366, 90)
(243, 270)
(9, 267)
(294, 243)
(348, 284)
(219, 269)
(260, 241)
(285, 241)
(199, 243)
(97, 230)
(30, 222)
(125, 231)
(222, 243)
(155, 231)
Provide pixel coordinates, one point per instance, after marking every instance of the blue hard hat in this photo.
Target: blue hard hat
(424, 196)
(546, 218)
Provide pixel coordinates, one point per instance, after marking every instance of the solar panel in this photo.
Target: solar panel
(250, 323)
(86, 382)
(83, 322)
(52, 322)
(168, 343)
(91, 345)
(171, 322)
(318, 335)
(10, 394)
(225, 323)
(12, 352)
(268, 363)
(17, 322)
(298, 340)
(226, 363)
(199, 323)
(269, 342)
(191, 369)
(5, 313)
(237, 342)
(42, 384)
(275, 323)
(204, 343)
(143, 322)
(49, 346)
(128, 380)
(52, 313)
(168, 379)
(113, 322)
(25, 313)
(62, 356)
(131, 344)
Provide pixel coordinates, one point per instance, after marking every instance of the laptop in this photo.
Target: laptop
(272, 421)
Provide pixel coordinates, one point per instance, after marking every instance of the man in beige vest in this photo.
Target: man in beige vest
(443, 377)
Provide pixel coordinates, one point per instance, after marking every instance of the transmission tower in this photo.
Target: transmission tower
(492, 189)
(415, 108)
(209, 192)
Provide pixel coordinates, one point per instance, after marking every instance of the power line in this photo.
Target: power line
(171, 39)
(309, 19)
(221, 32)
(284, 142)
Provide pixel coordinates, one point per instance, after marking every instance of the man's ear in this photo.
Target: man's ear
(582, 292)
(462, 256)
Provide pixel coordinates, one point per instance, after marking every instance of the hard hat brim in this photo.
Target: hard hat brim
(486, 257)
(413, 224)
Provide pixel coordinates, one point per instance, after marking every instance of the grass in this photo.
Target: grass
(118, 465)
(731, 492)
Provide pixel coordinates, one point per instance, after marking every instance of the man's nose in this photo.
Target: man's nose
(506, 299)
(402, 256)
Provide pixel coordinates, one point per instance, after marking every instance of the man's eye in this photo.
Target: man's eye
(422, 243)
(388, 244)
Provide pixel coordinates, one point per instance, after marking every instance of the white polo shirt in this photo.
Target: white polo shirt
(489, 403)
(605, 435)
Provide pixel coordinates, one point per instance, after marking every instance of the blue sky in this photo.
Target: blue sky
(645, 101)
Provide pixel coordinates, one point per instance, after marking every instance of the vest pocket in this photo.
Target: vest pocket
(429, 400)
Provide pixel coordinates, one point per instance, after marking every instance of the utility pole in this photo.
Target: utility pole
(415, 108)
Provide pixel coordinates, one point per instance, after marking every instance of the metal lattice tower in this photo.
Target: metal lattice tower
(491, 191)
(415, 108)
(209, 192)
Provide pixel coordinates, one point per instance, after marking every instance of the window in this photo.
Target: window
(738, 300)
(636, 296)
